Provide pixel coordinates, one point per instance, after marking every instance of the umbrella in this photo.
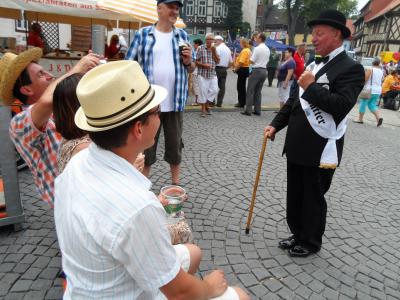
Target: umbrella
(144, 10)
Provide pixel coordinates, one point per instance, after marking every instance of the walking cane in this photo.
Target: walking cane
(253, 198)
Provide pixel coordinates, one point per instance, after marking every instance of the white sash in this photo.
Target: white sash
(324, 125)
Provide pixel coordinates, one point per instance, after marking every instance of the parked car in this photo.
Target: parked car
(366, 62)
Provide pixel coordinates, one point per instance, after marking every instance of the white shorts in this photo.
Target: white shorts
(283, 94)
(183, 254)
(208, 89)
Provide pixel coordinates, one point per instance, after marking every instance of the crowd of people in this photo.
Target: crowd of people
(90, 139)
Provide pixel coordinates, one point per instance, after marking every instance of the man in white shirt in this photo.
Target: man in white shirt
(259, 60)
(225, 56)
(111, 228)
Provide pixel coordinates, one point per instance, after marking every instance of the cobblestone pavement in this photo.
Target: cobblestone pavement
(360, 257)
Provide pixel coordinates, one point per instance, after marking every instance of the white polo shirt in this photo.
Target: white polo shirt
(224, 54)
(260, 56)
(111, 230)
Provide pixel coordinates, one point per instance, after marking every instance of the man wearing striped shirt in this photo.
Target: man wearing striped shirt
(111, 228)
(156, 49)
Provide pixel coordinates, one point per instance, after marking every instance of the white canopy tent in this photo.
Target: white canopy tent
(76, 12)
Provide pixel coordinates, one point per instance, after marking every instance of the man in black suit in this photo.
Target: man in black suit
(316, 120)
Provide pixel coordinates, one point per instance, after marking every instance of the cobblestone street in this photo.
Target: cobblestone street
(359, 259)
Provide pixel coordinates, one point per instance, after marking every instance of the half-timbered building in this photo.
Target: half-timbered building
(377, 28)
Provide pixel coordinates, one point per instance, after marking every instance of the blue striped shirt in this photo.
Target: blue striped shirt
(141, 50)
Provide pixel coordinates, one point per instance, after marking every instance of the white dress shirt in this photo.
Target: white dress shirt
(224, 54)
(111, 230)
(260, 56)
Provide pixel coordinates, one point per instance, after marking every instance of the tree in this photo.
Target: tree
(235, 16)
(294, 9)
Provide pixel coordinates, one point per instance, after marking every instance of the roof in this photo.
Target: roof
(379, 8)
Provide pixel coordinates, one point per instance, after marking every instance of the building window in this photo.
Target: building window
(189, 8)
(189, 30)
(201, 31)
(225, 10)
(218, 9)
(202, 8)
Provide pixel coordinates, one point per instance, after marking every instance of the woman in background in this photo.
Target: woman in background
(285, 76)
(241, 67)
(373, 81)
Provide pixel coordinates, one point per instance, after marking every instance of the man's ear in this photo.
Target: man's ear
(27, 91)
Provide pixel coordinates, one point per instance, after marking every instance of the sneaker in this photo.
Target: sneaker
(358, 121)
(380, 121)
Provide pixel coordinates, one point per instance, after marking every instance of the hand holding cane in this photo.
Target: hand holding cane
(253, 198)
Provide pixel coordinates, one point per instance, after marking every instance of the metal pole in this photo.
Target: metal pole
(98, 36)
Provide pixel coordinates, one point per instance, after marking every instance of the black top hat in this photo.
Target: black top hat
(332, 18)
(170, 1)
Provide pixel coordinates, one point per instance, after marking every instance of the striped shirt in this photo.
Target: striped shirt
(39, 150)
(141, 50)
(111, 230)
(204, 56)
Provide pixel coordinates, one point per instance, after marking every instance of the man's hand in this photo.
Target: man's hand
(86, 63)
(187, 55)
(216, 283)
(269, 132)
(306, 79)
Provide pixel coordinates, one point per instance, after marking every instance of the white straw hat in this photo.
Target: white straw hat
(114, 94)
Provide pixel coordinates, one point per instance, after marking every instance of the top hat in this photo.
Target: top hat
(114, 94)
(332, 18)
(170, 1)
(11, 67)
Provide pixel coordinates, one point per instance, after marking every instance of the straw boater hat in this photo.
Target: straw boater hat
(11, 67)
(114, 94)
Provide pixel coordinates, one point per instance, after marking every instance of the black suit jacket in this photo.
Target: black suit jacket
(303, 145)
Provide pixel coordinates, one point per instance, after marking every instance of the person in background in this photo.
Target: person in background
(225, 62)
(241, 67)
(35, 36)
(112, 50)
(272, 65)
(193, 77)
(285, 76)
(259, 60)
(206, 60)
(299, 59)
(156, 49)
(390, 86)
(373, 81)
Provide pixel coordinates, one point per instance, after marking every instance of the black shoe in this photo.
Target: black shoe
(256, 113)
(299, 251)
(287, 243)
(380, 121)
(238, 105)
(245, 113)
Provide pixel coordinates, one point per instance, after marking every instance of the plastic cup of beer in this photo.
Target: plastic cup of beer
(174, 195)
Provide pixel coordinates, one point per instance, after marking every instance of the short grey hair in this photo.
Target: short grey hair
(210, 34)
(376, 61)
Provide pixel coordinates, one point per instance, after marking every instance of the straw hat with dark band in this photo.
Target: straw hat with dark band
(113, 94)
(11, 67)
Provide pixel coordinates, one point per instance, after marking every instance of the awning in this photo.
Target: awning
(145, 10)
(76, 12)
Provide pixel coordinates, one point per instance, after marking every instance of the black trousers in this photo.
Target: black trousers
(242, 73)
(221, 75)
(306, 205)
(271, 75)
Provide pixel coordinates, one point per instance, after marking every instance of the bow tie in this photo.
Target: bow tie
(319, 59)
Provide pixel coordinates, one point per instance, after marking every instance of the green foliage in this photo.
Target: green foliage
(235, 17)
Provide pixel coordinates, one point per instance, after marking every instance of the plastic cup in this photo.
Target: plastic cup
(175, 195)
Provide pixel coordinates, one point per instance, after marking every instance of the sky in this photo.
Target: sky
(361, 3)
